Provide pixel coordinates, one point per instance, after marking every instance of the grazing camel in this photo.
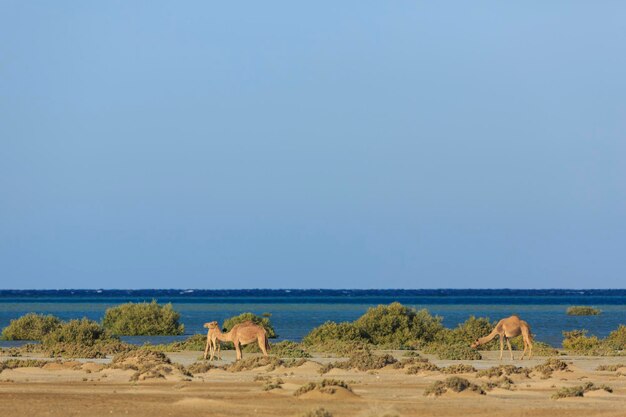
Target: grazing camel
(507, 328)
(241, 334)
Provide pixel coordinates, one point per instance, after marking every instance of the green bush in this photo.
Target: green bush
(84, 332)
(261, 321)
(395, 325)
(327, 386)
(577, 342)
(143, 319)
(31, 326)
(582, 311)
(470, 330)
(617, 338)
(384, 326)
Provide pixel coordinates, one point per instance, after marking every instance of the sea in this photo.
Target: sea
(295, 312)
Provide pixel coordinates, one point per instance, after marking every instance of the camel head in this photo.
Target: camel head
(211, 325)
(475, 344)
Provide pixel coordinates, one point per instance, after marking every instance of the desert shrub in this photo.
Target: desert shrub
(421, 367)
(582, 311)
(470, 330)
(82, 338)
(200, 367)
(327, 386)
(390, 326)
(143, 319)
(254, 362)
(31, 326)
(83, 331)
(459, 368)
(331, 332)
(21, 363)
(289, 349)
(611, 368)
(261, 321)
(146, 364)
(580, 390)
(395, 325)
(543, 349)
(195, 342)
(363, 360)
(498, 371)
(617, 338)
(317, 412)
(452, 351)
(453, 383)
(551, 365)
(504, 382)
(577, 342)
(411, 354)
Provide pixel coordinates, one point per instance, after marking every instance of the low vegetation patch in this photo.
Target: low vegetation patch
(611, 368)
(22, 363)
(460, 368)
(327, 386)
(582, 311)
(452, 351)
(143, 319)
(317, 412)
(254, 362)
(363, 360)
(147, 364)
(289, 349)
(577, 342)
(506, 370)
(504, 383)
(547, 368)
(195, 342)
(454, 383)
(200, 367)
(580, 390)
(422, 367)
(31, 326)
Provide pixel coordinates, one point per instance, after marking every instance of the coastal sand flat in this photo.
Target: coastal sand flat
(64, 390)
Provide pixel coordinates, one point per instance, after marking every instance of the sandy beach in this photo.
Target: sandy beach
(89, 388)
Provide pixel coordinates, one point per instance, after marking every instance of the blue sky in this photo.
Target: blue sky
(323, 145)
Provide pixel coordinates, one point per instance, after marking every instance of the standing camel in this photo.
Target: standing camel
(211, 341)
(506, 328)
(241, 334)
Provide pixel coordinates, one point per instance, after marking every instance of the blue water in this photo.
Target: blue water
(296, 312)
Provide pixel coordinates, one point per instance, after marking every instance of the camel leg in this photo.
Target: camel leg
(530, 350)
(508, 343)
(525, 347)
(261, 341)
(218, 346)
(238, 349)
(501, 346)
(206, 350)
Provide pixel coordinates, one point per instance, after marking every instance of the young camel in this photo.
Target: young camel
(241, 334)
(211, 341)
(506, 328)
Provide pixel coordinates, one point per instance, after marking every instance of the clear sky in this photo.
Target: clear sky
(334, 144)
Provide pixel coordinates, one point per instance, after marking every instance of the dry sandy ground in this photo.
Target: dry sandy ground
(88, 391)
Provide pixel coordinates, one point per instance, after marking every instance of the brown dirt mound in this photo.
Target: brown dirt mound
(148, 364)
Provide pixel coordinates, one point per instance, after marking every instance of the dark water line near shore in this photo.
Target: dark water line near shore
(296, 312)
